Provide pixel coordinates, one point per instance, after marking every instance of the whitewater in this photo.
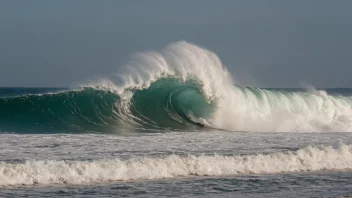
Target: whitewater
(175, 122)
(53, 172)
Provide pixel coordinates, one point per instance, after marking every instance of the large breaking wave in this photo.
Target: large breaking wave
(183, 87)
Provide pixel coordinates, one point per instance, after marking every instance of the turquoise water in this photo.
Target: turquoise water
(83, 143)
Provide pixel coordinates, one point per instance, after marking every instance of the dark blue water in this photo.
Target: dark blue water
(19, 91)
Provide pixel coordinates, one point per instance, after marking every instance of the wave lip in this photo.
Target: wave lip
(44, 172)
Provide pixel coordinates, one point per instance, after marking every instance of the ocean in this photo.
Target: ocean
(175, 124)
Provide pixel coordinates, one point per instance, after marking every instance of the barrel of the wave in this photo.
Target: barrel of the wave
(170, 103)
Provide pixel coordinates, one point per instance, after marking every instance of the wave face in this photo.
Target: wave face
(183, 87)
(337, 157)
(166, 104)
(86, 109)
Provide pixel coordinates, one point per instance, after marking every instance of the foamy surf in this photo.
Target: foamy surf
(338, 157)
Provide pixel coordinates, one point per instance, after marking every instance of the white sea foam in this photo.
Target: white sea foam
(336, 157)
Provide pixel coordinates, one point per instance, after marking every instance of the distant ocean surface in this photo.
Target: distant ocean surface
(175, 125)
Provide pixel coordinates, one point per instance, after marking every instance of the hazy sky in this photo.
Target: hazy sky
(282, 43)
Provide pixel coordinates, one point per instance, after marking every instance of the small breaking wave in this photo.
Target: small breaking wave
(338, 157)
